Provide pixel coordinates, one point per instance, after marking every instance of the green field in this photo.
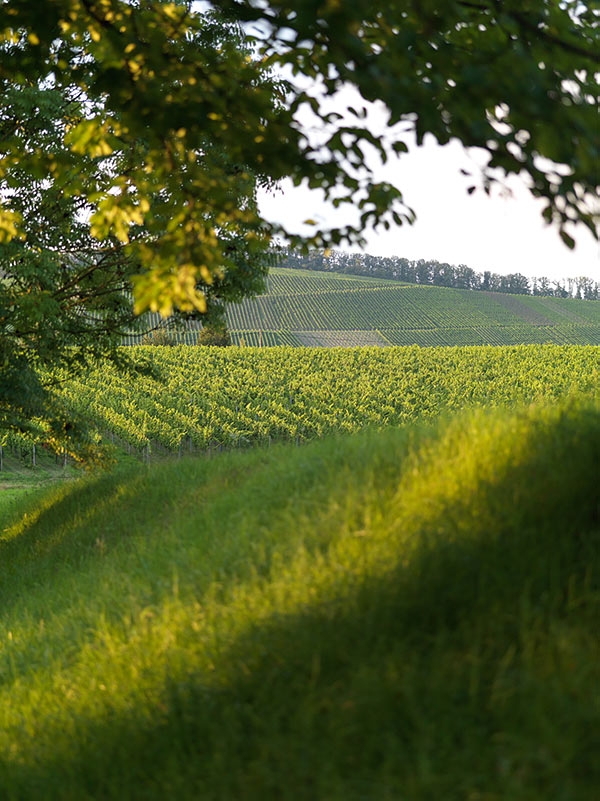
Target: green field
(404, 614)
(405, 607)
(308, 308)
(302, 307)
(215, 397)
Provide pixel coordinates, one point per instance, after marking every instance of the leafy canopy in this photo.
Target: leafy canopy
(517, 79)
(86, 206)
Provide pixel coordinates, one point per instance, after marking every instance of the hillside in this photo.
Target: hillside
(296, 623)
(328, 309)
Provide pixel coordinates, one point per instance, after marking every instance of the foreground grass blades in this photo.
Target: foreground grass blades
(400, 615)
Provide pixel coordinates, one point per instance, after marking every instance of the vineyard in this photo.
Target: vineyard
(308, 308)
(207, 397)
(333, 310)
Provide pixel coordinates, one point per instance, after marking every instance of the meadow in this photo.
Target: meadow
(403, 614)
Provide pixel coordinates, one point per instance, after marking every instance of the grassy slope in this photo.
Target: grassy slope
(306, 308)
(387, 616)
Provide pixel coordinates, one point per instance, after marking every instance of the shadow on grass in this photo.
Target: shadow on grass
(368, 700)
(471, 674)
(65, 533)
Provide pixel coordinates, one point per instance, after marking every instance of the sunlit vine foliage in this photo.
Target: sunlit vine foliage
(227, 397)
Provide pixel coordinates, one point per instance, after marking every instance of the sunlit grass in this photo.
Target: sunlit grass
(401, 615)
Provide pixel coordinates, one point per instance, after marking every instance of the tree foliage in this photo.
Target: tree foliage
(215, 334)
(435, 273)
(516, 79)
(79, 228)
(162, 84)
(63, 293)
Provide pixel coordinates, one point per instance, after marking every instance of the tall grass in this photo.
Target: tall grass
(400, 615)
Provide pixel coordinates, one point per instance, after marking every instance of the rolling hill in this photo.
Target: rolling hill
(308, 308)
(328, 309)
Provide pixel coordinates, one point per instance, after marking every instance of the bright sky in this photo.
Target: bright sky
(502, 234)
(505, 234)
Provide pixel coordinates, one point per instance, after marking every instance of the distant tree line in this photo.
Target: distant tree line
(435, 273)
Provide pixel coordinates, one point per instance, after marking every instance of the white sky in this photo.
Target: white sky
(502, 234)
(505, 234)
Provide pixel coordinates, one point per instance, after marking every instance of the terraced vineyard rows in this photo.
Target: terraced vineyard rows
(235, 396)
(325, 309)
(264, 339)
(299, 282)
(360, 309)
(494, 335)
(563, 310)
(330, 309)
(342, 339)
